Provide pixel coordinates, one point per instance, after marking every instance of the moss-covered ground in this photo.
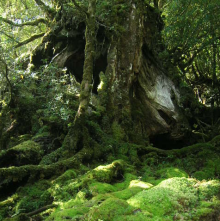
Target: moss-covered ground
(160, 185)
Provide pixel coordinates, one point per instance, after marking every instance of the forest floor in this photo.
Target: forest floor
(179, 184)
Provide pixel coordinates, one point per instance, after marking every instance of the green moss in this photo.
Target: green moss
(52, 157)
(117, 131)
(109, 210)
(71, 209)
(6, 206)
(128, 177)
(41, 135)
(100, 188)
(141, 184)
(67, 190)
(68, 214)
(209, 189)
(108, 172)
(90, 182)
(112, 192)
(215, 141)
(210, 169)
(130, 152)
(137, 215)
(27, 152)
(170, 195)
(175, 197)
(127, 193)
(27, 147)
(171, 172)
(68, 175)
(4, 212)
(21, 217)
(202, 212)
(32, 197)
(17, 140)
(204, 175)
(186, 151)
(207, 210)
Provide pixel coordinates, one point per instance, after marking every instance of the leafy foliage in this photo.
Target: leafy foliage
(192, 39)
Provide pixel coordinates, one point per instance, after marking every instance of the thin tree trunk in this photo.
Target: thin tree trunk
(214, 77)
(78, 133)
(7, 79)
(86, 85)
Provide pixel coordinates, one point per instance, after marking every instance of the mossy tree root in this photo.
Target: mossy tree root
(34, 172)
(28, 152)
(26, 216)
(183, 152)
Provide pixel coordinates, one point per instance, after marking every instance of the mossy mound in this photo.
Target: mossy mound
(109, 210)
(18, 140)
(26, 199)
(172, 185)
(32, 197)
(27, 152)
(179, 198)
(170, 172)
(176, 198)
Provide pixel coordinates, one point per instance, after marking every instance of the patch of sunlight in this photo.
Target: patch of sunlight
(100, 86)
(135, 202)
(141, 184)
(100, 168)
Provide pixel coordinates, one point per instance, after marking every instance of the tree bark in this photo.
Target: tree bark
(86, 85)
(138, 96)
(141, 98)
(32, 38)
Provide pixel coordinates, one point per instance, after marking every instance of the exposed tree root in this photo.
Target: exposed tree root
(17, 174)
(40, 210)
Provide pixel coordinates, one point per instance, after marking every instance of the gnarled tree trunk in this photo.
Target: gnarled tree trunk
(143, 99)
(139, 98)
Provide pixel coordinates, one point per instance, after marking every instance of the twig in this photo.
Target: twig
(32, 38)
(29, 23)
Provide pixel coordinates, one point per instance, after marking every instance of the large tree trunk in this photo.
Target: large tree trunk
(138, 96)
(144, 101)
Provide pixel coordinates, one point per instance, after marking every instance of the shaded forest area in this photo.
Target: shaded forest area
(109, 110)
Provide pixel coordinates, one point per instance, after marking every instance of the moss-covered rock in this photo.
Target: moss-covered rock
(68, 175)
(17, 140)
(25, 153)
(170, 172)
(175, 197)
(127, 178)
(108, 172)
(127, 193)
(72, 209)
(33, 196)
(100, 188)
(109, 210)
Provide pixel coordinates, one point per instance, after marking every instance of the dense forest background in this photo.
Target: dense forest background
(109, 110)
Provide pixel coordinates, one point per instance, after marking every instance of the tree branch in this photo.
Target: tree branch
(32, 38)
(197, 51)
(30, 23)
(49, 11)
(40, 210)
